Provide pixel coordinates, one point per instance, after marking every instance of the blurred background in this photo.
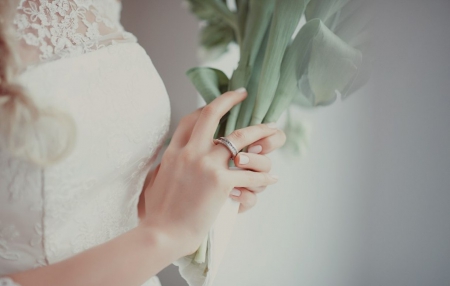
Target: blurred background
(368, 201)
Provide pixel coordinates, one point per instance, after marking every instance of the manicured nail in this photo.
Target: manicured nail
(235, 193)
(243, 159)
(241, 90)
(272, 125)
(255, 149)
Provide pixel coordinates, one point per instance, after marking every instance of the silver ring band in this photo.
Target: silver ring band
(227, 143)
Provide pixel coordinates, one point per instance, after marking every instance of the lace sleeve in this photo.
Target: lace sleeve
(6, 281)
(49, 30)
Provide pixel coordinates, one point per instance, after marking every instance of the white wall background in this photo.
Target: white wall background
(369, 202)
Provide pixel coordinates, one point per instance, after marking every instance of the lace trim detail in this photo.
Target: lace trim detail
(52, 29)
(6, 281)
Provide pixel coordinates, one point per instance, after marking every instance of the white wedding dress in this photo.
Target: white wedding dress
(84, 63)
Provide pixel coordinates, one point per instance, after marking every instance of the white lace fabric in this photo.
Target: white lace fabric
(122, 115)
(52, 29)
(98, 73)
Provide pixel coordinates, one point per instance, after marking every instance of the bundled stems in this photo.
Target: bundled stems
(258, 19)
(285, 19)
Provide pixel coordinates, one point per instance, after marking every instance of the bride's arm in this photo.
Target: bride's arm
(148, 181)
(135, 256)
(129, 259)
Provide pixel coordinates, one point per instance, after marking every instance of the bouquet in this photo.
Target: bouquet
(303, 52)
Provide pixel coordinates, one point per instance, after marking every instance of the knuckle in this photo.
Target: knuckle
(209, 111)
(186, 155)
(238, 134)
(217, 176)
(204, 164)
(253, 179)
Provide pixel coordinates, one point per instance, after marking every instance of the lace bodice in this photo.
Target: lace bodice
(52, 29)
(97, 73)
(122, 114)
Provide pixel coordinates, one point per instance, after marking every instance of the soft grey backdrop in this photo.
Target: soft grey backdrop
(168, 33)
(376, 183)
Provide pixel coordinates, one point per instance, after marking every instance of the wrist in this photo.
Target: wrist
(173, 245)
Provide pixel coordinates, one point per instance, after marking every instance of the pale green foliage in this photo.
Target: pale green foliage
(324, 10)
(297, 133)
(295, 59)
(209, 82)
(331, 67)
(215, 38)
(245, 116)
(256, 26)
(220, 25)
(286, 16)
(329, 55)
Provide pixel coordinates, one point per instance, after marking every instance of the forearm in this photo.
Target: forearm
(129, 259)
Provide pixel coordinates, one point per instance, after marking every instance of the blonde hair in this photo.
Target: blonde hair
(41, 135)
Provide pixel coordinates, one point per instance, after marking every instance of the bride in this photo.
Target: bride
(83, 115)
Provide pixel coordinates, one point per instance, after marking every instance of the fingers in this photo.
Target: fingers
(250, 179)
(268, 144)
(247, 199)
(244, 137)
(204, 129)
(253, 189)
(183, 132)
(254, 162)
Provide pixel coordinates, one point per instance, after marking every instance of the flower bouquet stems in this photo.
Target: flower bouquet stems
(281, 62)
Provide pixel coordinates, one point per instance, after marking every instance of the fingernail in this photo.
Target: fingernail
(274, 176)
(243, 159)
(272, 125)
(235, 193)
(241, 90)
(255, 149)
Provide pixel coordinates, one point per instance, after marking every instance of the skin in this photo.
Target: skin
(257, 162)
(181, 201)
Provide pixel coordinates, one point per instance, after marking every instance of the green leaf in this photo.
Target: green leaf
(258, 19)
(209, 82)
(245, 113)
(212, 10)
(332, 66)
(216, 37)
(220, 29)
(202, 10)
(352, 21)
(242, 12)
(297, 134)
(297, 54)
(349, 20)
(285, 19)
(323, 9)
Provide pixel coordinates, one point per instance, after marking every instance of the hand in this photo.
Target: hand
(193, 180)
(258, 163)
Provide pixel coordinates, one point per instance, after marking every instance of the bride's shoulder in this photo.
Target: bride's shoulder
(53, 29)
